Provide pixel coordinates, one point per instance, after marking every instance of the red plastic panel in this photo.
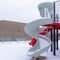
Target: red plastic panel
(42, 33)
(33, 42)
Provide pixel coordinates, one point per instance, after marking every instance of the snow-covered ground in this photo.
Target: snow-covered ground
(18, 51)
(13, 51)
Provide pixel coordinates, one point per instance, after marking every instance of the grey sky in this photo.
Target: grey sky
(20, 10)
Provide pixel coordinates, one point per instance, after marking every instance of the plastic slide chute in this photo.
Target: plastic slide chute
(37, 52)
(32, 29)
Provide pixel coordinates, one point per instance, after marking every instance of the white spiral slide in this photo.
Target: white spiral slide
(32, 29)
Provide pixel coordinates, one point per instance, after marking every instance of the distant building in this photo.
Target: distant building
(12, 31)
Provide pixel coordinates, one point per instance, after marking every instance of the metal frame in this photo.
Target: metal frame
(55, 37)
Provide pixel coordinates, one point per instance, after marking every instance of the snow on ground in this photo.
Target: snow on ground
(18, 51)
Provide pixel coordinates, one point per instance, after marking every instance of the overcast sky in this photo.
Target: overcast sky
(20, 10)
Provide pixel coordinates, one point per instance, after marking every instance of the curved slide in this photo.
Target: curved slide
(32, 29)
(35, 53)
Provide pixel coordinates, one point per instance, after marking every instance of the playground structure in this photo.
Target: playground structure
(46, 20)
